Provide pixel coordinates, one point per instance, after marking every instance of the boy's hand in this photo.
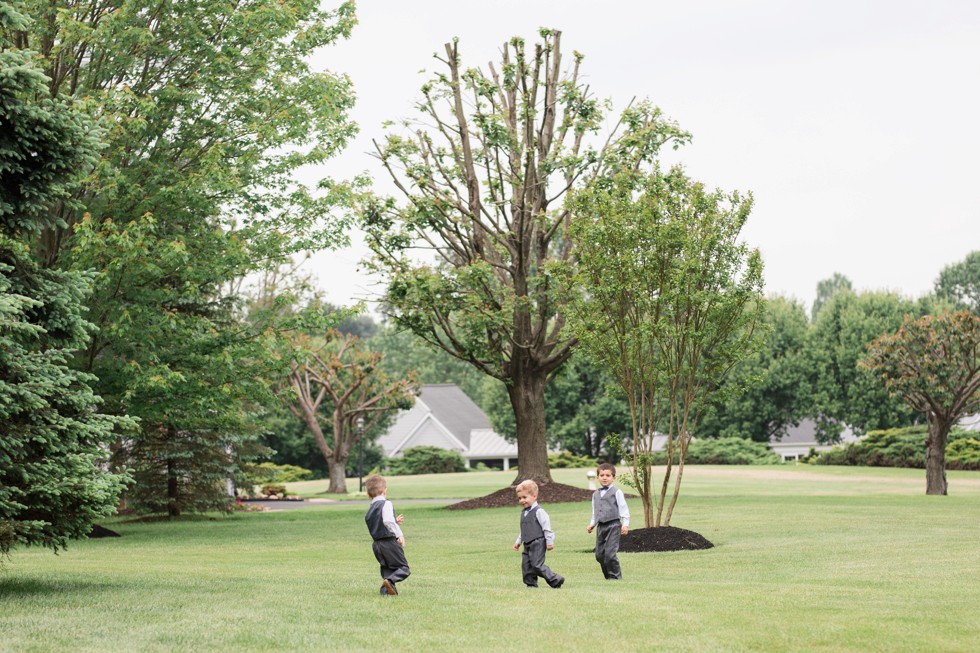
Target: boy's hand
(517, 547)
(625, 530)
(400, 518)
(551, 546)
(588, 529)
(401, 540)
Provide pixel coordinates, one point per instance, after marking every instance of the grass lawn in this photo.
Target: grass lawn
(805, 559)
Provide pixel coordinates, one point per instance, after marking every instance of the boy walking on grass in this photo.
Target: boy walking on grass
(537, 537)
(611, 517)
(389, 542)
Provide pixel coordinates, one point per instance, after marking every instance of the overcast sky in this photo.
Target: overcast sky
(855, 124)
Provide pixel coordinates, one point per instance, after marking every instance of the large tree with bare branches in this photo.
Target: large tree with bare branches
(337, 388)
(484, 173)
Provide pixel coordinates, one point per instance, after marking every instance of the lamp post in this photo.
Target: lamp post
(360, 454)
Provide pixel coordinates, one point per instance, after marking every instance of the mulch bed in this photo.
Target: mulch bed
(664, 538)
(102, 531)
(507, 498)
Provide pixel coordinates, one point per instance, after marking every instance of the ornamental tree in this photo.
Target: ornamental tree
(665, 298)
(484, 172)
(339, 391)
(933, 364)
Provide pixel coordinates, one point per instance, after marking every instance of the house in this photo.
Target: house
(799, 440)
(443, 416)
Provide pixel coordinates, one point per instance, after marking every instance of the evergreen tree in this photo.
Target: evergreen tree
(53, 439)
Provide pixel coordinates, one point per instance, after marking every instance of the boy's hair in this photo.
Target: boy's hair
(528, 486)
(375, 485)
(606, 466)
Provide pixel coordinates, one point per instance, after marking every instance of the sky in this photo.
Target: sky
(855, 124)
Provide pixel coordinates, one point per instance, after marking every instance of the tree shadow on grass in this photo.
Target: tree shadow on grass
(14, 587)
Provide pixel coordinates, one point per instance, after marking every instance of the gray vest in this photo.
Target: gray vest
(375, 523)
(605, 507)
(530, 526)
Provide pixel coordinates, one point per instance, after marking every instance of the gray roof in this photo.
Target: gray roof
(443, 416)
(454, 410)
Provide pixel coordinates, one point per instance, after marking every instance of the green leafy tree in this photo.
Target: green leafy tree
(484, 174)
(405, 352)
(210, 110)
(338, 389)
(826, 289)
(768, 391)
(665, 298)
(933, 364)
(843, 392)
(53, 482)
(960, 283)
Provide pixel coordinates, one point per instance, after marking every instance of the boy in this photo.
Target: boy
(537, 536)
(389, 543)
(612, 516)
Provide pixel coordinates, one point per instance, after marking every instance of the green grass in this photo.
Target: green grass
(805, 559)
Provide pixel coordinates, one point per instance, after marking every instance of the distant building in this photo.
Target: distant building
(799, 440)
(443, 416)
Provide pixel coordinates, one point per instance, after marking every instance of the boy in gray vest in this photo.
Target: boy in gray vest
(612, 516)
(537, 537)
(389, 542)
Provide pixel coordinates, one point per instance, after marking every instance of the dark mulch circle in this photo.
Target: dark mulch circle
(507, 498)
(663, 538)
(102, 531)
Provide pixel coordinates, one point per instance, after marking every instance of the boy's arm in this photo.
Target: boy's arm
(388, 519)
(624, 512)
(545, 521)
(588, 529)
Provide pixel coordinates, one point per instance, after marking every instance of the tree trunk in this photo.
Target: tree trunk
(173, 491)
(527, 399)
(338, 476)
(936, 455)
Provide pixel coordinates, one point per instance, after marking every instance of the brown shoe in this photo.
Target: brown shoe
(389, 586)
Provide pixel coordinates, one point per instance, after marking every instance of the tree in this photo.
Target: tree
(405, 352)
(843, 392)
(826, 289)
(337, 381)
(583, 407)
(932, 363)
(664, 297)
(484, 176)
(210, 109)
(960, 282)
(768, 391)
(53, 482)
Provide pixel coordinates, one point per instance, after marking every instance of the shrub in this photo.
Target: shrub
(260, 473)
(726, 451)
(274, 489)
(903, 447)
(566, 460)
(426, 460)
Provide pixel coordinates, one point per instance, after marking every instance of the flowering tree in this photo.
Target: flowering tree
(933, 363)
